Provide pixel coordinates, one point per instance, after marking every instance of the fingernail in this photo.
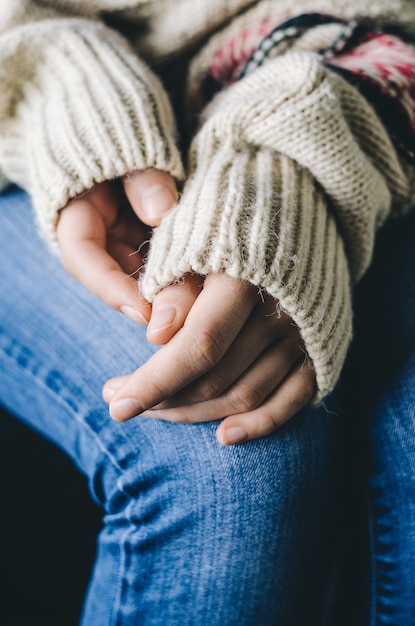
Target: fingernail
(157, 200)
(161, 318)
(233, 435)
(133, 314)
(124, 409)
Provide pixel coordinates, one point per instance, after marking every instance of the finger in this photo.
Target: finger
(128, 238)
(211, 326)
(171, 307)
(127, 256)
(265, 326)
(246, 394)
(112, 386)
(82, 237)
(151, 193)
(293, 394)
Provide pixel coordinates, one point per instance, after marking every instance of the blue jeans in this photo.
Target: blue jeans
(193, 533)
(381, 395)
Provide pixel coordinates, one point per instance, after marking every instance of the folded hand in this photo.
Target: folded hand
(237, 356)
(103, 234)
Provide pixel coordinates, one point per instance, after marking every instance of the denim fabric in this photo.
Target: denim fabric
(193, 533)
(381, 383)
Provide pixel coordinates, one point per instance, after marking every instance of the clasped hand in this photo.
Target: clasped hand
(230, 351)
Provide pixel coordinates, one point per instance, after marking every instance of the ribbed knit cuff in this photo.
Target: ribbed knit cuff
(267, 223)
(295, 106)
(91, 112)
(291, 174)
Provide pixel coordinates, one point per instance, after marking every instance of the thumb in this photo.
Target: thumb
(151, 193)
(171, 307)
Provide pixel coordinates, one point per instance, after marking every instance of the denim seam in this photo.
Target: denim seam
(116, 613)
(90, 433)
(374, 592)
(71, 410)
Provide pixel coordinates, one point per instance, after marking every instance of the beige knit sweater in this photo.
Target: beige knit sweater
(289, 175)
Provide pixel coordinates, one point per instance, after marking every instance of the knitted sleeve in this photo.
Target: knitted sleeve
(77, 107)
(294, 170)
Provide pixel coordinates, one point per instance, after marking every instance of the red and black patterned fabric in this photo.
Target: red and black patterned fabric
(378, 60)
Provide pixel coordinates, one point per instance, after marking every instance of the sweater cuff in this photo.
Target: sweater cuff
(91, 112)
(268, 224)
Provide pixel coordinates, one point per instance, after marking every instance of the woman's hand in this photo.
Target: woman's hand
(102, 236)
(237, 356)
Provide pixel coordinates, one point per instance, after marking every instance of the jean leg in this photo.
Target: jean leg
(382, 383)
(194, 533)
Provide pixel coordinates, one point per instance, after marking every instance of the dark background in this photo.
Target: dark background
(48, 528)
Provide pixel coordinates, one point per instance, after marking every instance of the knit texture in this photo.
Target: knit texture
(291, 173)
(77, 105)
(290, 176)
(90, 111)
(174, 25)
(253, 229)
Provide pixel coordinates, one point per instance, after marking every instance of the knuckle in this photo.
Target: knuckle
(180, 417)
(271, 420)
(207, 348)
(212, 386)
(183, 419)
(245, 398)
(155, 390)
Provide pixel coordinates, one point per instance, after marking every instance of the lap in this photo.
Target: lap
(225, 532)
